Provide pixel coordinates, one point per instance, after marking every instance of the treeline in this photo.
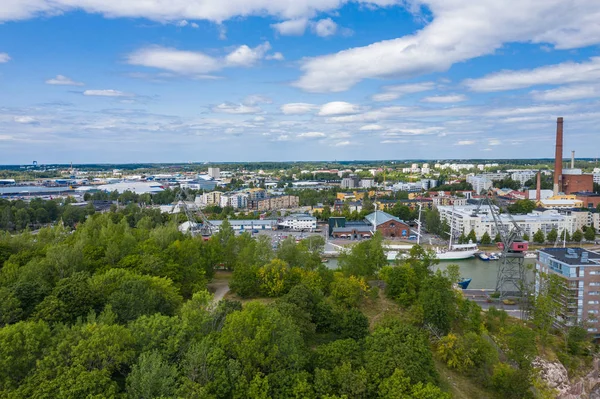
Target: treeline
(119, 308)
(19, 215)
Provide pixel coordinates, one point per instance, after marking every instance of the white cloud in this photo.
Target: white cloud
(230, 108)
(458, 32)
(342, 143)
(394, 92)
(275, 56)
(372, 127)
(170, 59)
(197, 63)
(4, 58)
(254, 99)
(293, 27)
(385, 96)
(298, 108)
(466, 142)
(453, 98)
(494, 142)
(245, 56)
(311, 135)
(25, 120)
(567, 72)
(567, 93)
(107, 93)
(324, 27)
(216, 11)
(194, 25)
(338, 108)
(63, 80)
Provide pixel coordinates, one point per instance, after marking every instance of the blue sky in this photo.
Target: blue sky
(251, 80)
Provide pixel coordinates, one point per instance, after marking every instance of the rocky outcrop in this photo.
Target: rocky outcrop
(556, 376)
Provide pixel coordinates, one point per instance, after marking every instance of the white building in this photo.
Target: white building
(523, 176)
(234, 200)
(299, 221)
(480, 183)
(402, 186)
(464, 220)
(215, 173)
(208, 199)
(135, 187)
(544, 194)
(367, 183)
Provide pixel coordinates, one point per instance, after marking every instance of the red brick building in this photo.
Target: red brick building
(590, 200)
(388, 225)
(577, 183)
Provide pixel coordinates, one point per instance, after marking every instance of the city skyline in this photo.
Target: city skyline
(126, 82)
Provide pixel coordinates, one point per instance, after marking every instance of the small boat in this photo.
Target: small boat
(530, 255)
(484, 257)
(494, 256)
(464, 283)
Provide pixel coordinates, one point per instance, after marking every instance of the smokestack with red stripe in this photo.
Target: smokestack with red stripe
(558, 158)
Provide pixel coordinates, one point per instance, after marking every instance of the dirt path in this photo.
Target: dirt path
(219, 289)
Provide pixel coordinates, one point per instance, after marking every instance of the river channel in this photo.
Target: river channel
(483, 273)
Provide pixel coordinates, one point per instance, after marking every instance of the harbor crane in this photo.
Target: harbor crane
(511, 277)
(205, 228)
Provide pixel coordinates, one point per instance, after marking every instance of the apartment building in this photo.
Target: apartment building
(480, 183)
(580, 271)
(464, 219)
(299, 222)
(208, 199)
(274, 203)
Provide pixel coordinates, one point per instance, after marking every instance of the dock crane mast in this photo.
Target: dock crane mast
(511, 277)
(205, 229)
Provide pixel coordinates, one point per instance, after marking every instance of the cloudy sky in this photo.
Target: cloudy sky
(248, 80)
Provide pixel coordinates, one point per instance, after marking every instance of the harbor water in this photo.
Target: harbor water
(482, 273)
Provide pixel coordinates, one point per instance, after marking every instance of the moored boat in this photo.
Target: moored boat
(483, 256)
(464, 283)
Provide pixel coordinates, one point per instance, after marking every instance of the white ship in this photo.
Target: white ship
(458, 251)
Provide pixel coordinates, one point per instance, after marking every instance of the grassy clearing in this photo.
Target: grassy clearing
(233, 297)
(222, 275)
(458, 385)
(379, 309)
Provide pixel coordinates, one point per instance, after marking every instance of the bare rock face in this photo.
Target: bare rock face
(553, 373)
(556, 376)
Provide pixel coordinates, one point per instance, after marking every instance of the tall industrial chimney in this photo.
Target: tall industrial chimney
(558, 157)
(538, 194)
(572, 159)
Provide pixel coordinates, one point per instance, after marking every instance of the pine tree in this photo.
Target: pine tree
(539, 237)
(486, 239)
(552, 235)
(526, 237)
(590, 234)
(497, 238)
(577, 236)
(472, 237)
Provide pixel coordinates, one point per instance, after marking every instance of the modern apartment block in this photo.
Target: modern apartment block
(580, 270)
(273, 203)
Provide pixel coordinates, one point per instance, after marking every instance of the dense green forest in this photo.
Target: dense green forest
(119, 307)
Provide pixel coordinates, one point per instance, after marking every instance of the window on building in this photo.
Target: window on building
(592, 329)
(594, 293)
(595, 284)
(593, 302)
